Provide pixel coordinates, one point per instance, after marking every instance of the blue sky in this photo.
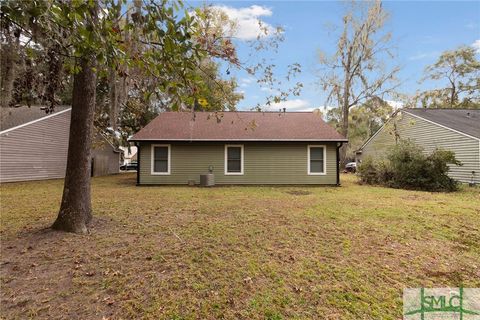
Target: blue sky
(421, 31)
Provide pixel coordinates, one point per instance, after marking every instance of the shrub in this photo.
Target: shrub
(368, 171)
(406, 166)
(384, 172)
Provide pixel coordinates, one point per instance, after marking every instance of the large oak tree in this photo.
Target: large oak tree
(89, 37)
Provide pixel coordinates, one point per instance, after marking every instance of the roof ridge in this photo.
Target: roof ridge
(47, 116)
(239, 126)
(425, 109)
(239, 111)
(458, 122)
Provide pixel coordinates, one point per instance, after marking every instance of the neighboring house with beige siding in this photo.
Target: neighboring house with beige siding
(238, 148)
(34, 146)
(457, 130)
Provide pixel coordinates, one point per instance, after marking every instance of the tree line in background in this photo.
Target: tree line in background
(38, 69)
(358, 77)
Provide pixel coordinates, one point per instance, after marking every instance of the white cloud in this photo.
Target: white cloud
(395, 104)
(428, 40)
(247, 20)
(270, 90)
(424, 55)
(476, 45)
(291, 105)
(471, 25)
(245, 82)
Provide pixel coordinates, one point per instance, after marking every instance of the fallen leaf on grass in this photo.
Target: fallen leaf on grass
(108, 301)
(297, 289)
(247, 280)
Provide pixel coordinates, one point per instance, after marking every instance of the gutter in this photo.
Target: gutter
(339, 145)
(137, 144)
(239, 140)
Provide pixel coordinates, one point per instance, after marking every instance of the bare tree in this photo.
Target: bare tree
(356, 72)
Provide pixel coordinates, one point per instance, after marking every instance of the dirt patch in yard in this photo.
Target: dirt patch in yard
(41, 270)
(298, 192)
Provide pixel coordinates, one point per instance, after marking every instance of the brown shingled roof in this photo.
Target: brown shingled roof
(238, 126)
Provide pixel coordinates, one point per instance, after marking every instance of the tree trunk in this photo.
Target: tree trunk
(113, 114)
(343, 148)
(9, 69)
(76, 209)
(452, 96)
(345, 120)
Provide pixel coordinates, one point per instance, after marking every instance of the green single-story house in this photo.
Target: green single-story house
(238, 148)
(457, 130)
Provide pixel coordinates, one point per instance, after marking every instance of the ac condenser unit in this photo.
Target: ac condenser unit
(207, 180)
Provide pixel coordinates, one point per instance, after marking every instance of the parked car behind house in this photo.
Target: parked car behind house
(351, 167)
(129, 166)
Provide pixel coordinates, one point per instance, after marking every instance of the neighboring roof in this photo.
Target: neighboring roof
(466, 121)
(238, 126)
(13, 117)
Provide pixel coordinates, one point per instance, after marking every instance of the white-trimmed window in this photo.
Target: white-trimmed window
(317, 156)
(160, 159)
(234, 159)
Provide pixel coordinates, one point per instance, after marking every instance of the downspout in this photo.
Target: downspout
(339, 145)
(137, 144)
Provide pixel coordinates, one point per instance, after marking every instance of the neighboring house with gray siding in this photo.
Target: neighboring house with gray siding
(457, 130)
(34, 146)
(238, 148)
(106, 158)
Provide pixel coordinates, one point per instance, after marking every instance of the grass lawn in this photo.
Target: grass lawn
(233, 252)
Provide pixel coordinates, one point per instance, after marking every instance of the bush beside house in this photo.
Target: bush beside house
(407, 167)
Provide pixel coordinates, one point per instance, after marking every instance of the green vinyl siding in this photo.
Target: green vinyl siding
(429, 136)
(264, 163)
